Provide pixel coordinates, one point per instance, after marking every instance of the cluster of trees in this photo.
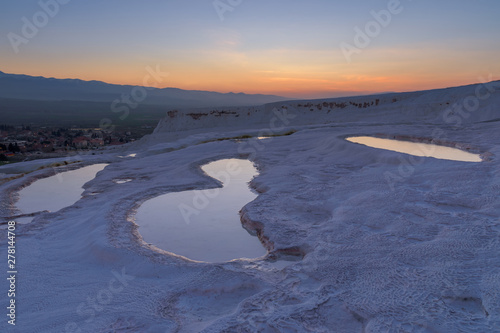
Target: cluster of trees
(3, 158)
(5, 127)
(365, 104)
(13, 148)
(341, 105)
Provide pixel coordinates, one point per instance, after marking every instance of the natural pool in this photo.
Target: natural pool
(122, 181)
(56, 192)
(417, 149)
(204, 225)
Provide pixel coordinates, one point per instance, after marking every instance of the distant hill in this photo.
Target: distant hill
(70, 102)
(24, 87)
(438, 107)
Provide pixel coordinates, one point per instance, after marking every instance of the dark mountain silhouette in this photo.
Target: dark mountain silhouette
(24, 87)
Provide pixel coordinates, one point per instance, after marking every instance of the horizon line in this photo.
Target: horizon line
(348, 93)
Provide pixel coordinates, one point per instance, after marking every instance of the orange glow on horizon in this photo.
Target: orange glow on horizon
(284, 80)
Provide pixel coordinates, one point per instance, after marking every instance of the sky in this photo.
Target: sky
(291, 48)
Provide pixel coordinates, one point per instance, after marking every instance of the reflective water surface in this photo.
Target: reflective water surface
(122, 181)
(204, 225)
(56, 192)
(417, 149)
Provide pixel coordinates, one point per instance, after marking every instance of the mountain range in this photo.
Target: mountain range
(24, 87)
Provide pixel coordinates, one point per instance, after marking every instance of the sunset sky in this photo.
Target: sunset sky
(290, 48)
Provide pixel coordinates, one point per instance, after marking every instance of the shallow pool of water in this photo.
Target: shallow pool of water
(122, 181)
(417, 149)
(204, 225)
(56, 192)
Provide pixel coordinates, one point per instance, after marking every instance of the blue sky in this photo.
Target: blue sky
(290, 48)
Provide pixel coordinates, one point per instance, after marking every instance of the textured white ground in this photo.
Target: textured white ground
(360, 239)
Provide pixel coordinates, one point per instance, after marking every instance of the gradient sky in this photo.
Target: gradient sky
(285, 47)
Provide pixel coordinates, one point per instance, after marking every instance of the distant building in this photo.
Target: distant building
(81, 142)
(97, 142)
